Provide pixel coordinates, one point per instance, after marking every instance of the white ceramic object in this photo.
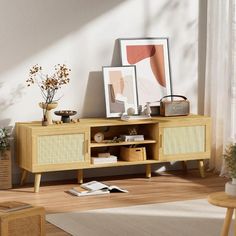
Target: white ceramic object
(130, 111)
(230, 187)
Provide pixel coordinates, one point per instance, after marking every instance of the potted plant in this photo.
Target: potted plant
(4, 141)
(230, 164)
(49, 86)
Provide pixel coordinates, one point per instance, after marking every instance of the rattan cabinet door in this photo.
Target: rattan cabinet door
(185, 141)
(58, 149)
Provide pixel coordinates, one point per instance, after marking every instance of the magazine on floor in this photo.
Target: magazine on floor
(95, 188)
(95, 185)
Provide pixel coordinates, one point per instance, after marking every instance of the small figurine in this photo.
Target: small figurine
(147, 110)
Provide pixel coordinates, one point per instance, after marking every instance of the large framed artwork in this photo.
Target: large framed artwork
(151, 58)
(120, 90)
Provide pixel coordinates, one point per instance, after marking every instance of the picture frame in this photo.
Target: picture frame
(120, 90)
(151, 58)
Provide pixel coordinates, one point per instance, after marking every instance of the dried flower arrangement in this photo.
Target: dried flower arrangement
(4, 139)
(230, 159)
(49, 84)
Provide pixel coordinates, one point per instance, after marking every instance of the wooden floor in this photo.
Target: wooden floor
(166, 187)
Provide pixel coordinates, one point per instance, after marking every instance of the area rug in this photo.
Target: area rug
(182, 218)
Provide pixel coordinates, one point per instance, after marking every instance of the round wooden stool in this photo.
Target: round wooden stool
(222, 200)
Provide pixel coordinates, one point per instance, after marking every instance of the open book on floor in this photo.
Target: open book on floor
(95, 185)
(81, 193)
(95, 188)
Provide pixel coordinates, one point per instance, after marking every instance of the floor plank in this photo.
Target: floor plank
(165, 187)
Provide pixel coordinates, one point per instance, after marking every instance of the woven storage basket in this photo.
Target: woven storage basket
(5, 170)
(133, 154)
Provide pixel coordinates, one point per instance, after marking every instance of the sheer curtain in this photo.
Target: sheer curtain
(220, 81)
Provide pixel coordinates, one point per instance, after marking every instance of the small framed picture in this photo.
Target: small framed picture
(151, 58)
(120, 90)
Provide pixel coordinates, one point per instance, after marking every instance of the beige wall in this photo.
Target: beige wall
(82, 34)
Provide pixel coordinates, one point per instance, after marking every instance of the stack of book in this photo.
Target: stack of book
(95, 188)
(104, 160)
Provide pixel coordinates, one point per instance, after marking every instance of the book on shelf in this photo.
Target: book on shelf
(104, 160)
(95, 188)
(13, 206)
(132, 138)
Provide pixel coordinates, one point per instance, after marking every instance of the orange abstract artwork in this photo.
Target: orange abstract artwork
(137, 53)
(150, 56)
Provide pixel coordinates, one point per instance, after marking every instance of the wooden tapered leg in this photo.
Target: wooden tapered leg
(148, 171)
(23, 177)
(227, 221)
(80, 176)
(37, 179)
(201, 168)
(184, 166)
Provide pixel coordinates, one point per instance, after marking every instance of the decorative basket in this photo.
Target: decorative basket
(133, 154)
(5, 170)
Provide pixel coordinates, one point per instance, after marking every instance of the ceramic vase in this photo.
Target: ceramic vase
(48, 113)
(230, 187)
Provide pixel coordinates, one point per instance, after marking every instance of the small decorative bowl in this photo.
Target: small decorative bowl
(65, 115)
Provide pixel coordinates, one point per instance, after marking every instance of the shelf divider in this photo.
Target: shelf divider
(107, 143)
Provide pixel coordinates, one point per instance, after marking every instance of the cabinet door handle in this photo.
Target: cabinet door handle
(160, 141)
(85, 146)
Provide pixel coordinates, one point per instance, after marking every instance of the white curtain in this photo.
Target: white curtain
(220, 81)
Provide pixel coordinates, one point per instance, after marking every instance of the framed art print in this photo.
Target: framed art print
(120, 90)
(151, 58)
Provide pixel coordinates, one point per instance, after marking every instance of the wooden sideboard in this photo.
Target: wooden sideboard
(70, 146)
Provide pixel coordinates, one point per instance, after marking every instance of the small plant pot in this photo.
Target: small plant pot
(230, 187)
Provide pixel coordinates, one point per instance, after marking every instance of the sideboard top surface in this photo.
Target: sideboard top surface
(96, 122)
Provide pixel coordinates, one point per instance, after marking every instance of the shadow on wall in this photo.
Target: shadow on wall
(116, 56)
(94, 102)
(38, 24)
(8, 100)
(11, 97)
(170, 5)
